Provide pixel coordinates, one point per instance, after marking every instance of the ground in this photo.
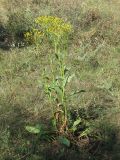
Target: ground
(94, 58)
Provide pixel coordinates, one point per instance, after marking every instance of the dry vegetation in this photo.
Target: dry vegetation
(94, 58)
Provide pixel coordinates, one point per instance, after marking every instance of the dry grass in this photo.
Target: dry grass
(93, 57)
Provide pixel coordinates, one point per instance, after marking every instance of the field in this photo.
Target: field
(92, 94)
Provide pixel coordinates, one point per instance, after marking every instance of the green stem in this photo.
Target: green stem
(63, 89)
(52, 70)
(50, 99)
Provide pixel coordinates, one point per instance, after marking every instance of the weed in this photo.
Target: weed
(55, 29)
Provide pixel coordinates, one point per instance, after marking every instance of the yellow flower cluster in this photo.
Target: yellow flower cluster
(28, 36)
(53, 25)
(53, 28)
(33, 36)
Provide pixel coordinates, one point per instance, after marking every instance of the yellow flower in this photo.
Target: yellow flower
(54, 28)
(53, 25)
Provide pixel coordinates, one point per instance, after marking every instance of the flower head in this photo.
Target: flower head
(53, 28)
(53, 25)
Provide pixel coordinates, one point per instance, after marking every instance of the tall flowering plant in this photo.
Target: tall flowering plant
(56, 31)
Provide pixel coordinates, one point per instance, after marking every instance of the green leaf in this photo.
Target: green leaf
(31, 129)
(64, 141)
(86, 132)
(58, 90)
(65, 81)
(77, 122)
(53, 123)
(73, 129)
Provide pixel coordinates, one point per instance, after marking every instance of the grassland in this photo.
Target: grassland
(94, 58)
